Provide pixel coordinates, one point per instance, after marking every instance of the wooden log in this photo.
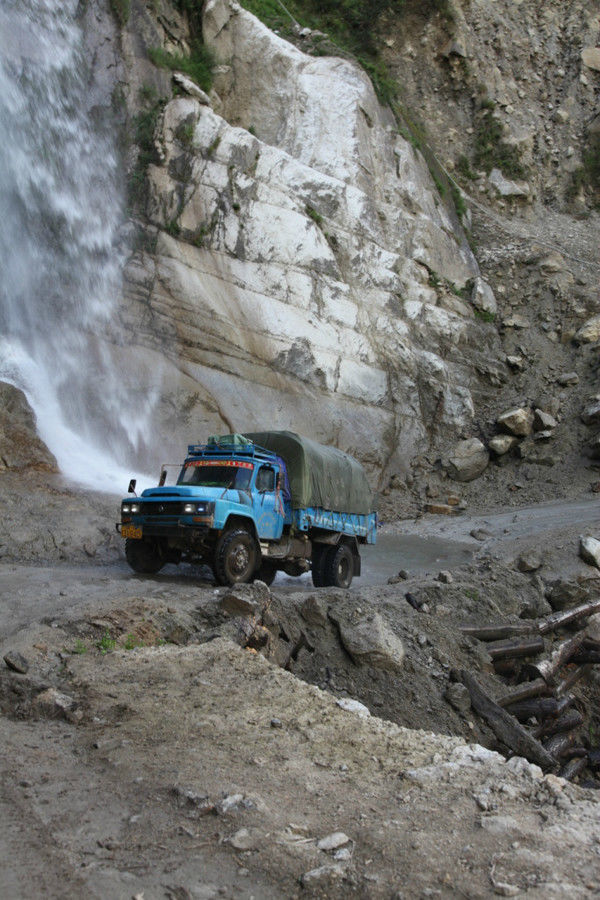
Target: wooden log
(594, 758)
(573, 768)
(569, 720)
(540, 707)
(572, 678)
(524, 691)
(559, 744)
(565, 616)
(548, 668)
(505, 727)
(508, 668)
(582, 657)
(514, 649)
(498, 632)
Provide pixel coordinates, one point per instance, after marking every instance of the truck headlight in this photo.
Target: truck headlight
(135, 507)
(189, 508)
(126, 508)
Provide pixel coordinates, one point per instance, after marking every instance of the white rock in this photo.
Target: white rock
(506, 188)
(590, 56)
(482, 297)
(503, 443)
(589, 333)
(518, 421)
(333, 841)
(589, 550)
(354, 706)
(543, 421)
(191, 88)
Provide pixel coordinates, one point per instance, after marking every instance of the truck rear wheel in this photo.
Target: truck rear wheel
(319, 555)
(143, 557)
(236, 556)
(339, 567)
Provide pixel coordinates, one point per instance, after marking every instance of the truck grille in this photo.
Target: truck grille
(162, 508)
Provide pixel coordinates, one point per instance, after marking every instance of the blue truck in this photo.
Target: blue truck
(252, 505)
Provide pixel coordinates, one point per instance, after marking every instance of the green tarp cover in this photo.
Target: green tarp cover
(319, 476)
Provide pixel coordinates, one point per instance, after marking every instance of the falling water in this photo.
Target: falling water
(60, 219)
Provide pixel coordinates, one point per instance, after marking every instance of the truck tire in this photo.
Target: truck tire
(236, 557)
(319, 555)
(266, 572)
(143, 557)
(339, 567)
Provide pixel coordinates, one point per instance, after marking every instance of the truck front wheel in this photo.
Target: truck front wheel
(236, 556)
(143, 557)
(339, 567)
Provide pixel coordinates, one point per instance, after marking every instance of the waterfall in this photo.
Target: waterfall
(61, 214)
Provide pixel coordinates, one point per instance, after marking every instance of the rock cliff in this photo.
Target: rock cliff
(306, 273)
(294, 262)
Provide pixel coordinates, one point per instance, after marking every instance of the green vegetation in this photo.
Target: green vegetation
(131, 642)
(121, 10)
(198, 65)
(80, 647)
(185, 133)
(106, 643)
(314, 215)
(144, 126)
(463, 167)
(485, 316)
(491, 151)
(587, 175)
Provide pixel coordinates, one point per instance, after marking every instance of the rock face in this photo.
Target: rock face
(20, 446)
(292, 282)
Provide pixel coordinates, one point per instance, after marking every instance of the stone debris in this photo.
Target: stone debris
(321, 874)
(17, 662)
(503, 443)
(589, 333)
(333, 841)
(53, 704)
(518, 421)
(529, 561)
(589, 550)
(591, 414)
(354, 706)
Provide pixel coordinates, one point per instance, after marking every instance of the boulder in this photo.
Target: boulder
(529, 561)
(591, 414)
(589, 550)
(506, 188)
(589, 332)
(371, 642)
(564, 593)
(518, 421)
(503, 443)
(590, 57)
(468, 460)
(543, 421)
(569, 379)
(482, 297)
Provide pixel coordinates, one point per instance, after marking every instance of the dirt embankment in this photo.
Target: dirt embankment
(171, 738)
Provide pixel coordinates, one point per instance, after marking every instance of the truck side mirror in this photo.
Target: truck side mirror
(131, 488)
(163, 478)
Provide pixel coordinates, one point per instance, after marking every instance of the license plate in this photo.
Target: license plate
(131, 531)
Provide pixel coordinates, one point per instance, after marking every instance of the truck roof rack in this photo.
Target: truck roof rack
(217, 450)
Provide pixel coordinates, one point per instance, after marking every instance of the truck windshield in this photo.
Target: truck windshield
(219, 475)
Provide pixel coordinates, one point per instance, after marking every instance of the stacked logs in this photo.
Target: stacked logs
(538, 717)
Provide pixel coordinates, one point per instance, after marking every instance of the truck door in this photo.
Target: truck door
(267, 504)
